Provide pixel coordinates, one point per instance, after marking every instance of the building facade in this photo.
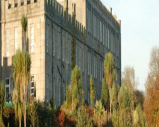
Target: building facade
(49, 37)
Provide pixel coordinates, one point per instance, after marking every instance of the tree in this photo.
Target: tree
(24, 29)
(151, 103)
(110, 73)
(21, 75)
(125, 99)
(154, 62)
(73, 44)
(82, 118)
(92, 91)
(76, 88)
(2, 101)
(128, 77)
(100, 117)
(104, 94)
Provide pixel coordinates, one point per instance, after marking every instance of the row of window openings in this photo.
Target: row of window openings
(16, 40)
(22, 3)
(94, 71)
(7, 87)
(101, 33)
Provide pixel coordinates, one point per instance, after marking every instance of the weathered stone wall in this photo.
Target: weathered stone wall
(11, 18)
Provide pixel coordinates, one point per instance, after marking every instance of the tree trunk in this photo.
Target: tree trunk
(19, 121)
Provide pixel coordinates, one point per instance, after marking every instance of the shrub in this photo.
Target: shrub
(82, 118)
(100, 115)
(61, 118)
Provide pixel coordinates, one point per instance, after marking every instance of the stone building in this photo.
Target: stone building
(49, 37)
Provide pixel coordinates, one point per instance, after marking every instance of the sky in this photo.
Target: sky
(139, 33)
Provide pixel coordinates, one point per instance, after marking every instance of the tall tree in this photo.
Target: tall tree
(105, 94)
(154, 62)
(73, 44)
(128, 77)
(92, 91)
(21, 75)
(2, 100)
(151, 103)
(76, 88)
(24, 29)
(110, 74)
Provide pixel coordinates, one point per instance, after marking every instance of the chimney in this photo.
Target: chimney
(110, 10)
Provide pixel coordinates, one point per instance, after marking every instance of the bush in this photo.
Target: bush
(37, 113)
(100, 115)
(61, 118)
(82, 118)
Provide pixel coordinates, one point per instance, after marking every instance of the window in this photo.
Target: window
(89, 63)
(94, 25)
(68, 48)
(7, 88)
(100, 31)
(7, 42)
(59, 92)
(108, 39)
(95, 62)
(16, 39)
(83, 56)
(63, 48)
(31, 38)
(47, 38)
(53, 41)
(103, 34)
(32, 86)
(58, 43)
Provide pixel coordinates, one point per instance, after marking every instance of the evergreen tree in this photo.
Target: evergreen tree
(92, 91)
(110, 74)
(76, 88)
(73, 45)
(104, 93)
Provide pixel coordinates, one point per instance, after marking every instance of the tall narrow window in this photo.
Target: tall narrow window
(53, 41)
(58, 43)
(108, 39)
(32, 85)
(103, 34)
(100, 31)
(63, 47)
(68, 52)
(16, 39)
(31, 38)
(7, 88)
(7, 42)
(47, 38)
(83, 56)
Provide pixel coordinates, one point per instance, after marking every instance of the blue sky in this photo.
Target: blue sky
(140, 33)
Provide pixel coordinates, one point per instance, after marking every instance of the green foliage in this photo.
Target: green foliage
(24, 23)
(82, 118)
(76, 88)
(104, 94)
(115, 91)
(109, 69)
(2, 101)
(21, 75)
(110, 74)
(100, 115)
(126, 105)
(92, 91)
(139, 117)
(39, 115)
